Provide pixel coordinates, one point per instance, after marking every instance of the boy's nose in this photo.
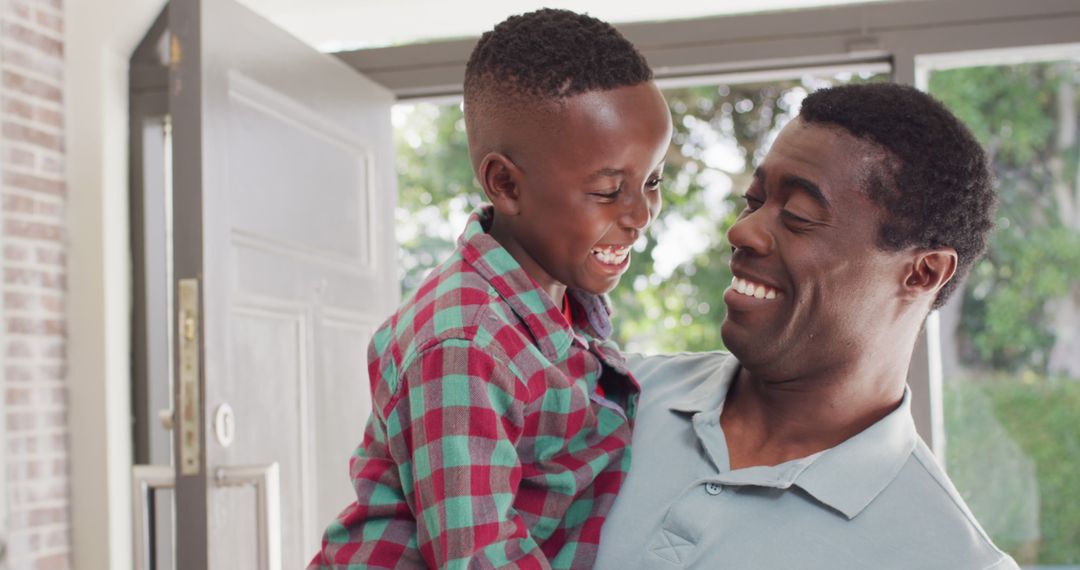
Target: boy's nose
(749, 233)
(638, 212)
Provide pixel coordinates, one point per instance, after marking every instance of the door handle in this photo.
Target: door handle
(146, 479)
(267, 484)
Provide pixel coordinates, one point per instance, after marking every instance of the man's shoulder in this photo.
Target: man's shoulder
(937, 522)
(682, 379)
(684, 368)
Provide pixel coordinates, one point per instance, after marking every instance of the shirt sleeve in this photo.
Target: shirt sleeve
(453, 433)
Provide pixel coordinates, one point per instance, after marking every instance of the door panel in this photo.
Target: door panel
(283, 205)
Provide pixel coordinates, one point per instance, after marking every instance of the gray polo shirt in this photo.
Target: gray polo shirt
(879, 500)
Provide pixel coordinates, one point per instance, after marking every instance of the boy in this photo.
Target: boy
(502, 416)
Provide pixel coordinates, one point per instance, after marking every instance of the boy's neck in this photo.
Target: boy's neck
(548, 284)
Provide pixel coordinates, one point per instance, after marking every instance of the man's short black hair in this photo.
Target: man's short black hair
(936, 188)
(550, 55)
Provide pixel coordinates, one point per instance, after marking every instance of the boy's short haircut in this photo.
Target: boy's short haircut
(546, 56)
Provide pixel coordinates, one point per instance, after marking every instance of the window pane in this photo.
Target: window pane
(1011, 342)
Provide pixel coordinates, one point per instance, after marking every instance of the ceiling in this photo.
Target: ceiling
(337, 25)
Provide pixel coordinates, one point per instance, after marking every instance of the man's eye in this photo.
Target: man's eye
(753, 202)
(654, 183)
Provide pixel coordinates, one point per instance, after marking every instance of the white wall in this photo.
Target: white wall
(100, 36)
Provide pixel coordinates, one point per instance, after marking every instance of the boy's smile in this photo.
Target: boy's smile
(580, 185)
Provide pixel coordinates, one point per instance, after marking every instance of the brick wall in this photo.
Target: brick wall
(34, 283)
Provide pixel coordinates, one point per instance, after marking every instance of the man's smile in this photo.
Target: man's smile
(752, 289)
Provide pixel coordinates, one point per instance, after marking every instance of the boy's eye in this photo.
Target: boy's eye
(607, 195)
(654, 183)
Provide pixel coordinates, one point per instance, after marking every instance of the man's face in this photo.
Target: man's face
(590, 186)
(811, 288)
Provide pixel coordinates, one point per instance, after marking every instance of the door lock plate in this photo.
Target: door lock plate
(190, 415)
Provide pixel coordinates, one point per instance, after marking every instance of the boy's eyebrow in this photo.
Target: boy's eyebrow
(607, 173)
(614, 172)
(799, 182)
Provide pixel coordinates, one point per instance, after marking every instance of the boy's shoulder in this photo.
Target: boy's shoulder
(453, 302)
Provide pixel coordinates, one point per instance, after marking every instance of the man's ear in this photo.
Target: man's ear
(929, 271)
(501, 180)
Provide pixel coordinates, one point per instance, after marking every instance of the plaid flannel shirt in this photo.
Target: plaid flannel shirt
(488, 445)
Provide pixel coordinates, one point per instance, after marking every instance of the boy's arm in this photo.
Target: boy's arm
(453, 433)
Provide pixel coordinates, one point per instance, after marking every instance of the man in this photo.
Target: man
(798, 450)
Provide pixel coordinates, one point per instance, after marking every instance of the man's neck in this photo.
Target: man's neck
(769, 422)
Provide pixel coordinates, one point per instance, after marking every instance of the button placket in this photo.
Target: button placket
(713, 488)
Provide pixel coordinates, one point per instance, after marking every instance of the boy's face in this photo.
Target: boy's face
(588, 186)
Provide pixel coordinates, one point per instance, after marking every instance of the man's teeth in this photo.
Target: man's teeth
(611, 255)
(751, 289)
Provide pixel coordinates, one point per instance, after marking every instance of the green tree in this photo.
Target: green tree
(1022, 303)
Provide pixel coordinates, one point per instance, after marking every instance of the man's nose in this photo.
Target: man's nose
(750, 233)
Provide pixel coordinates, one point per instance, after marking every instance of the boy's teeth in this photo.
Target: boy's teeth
(611, 255)
(751, 289)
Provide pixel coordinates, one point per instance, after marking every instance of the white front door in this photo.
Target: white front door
(284, 263)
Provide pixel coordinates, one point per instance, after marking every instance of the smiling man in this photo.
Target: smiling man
(797, 449)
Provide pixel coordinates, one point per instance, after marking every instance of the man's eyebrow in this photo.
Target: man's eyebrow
(798, 182)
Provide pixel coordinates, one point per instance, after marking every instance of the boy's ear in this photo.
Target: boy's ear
(929, 271)
(501, 180)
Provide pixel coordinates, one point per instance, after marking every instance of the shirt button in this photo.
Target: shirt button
(713, 488)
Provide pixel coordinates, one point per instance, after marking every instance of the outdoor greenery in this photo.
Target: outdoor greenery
(1013, 385)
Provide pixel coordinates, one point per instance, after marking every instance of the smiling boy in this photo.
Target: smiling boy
(502, 416)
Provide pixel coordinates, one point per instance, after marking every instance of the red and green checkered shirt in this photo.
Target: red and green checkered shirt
(489, 444)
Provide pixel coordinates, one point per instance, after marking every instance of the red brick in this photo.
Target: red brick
(35, 183)
(25, 36)
(19, 157)
(52, 165)
(21, 133)
(49, 117)
(49, 20)
(56, 350)
(32, 87)
(51, 327)
(15, 252)
(59, 396)
(19, 204)
(34, 230)
(18, 301)
(18, 107)
(21, 421)
(17, 396)
(20, 10)
(15, 373)
(26, 60)
(53, 372)
(33, 277)
(51, 256)
(18, 349)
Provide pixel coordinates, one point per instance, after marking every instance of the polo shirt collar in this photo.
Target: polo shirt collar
(847, 477)
(517, 289)
(851, 475)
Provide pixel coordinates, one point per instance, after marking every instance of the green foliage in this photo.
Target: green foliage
(1011, 450)
(1034, 258)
